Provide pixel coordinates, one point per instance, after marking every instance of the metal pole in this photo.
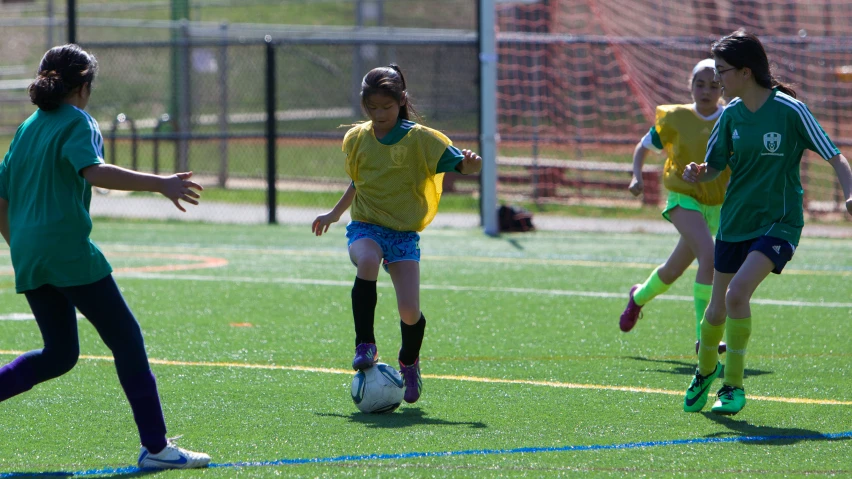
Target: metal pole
(271, 175)
(488, 116)
(51, 17)
(184, 99)
(72, 21)
(223, 107)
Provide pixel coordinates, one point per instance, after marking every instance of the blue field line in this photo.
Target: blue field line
(469, 452)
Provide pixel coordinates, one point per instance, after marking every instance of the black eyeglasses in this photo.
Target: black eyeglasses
(718, 76)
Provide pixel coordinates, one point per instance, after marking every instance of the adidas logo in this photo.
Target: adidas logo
(735, 136)
(777, 249)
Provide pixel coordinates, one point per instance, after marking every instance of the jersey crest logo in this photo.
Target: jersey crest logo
(398, 155)
(735, 136)
(772, 141)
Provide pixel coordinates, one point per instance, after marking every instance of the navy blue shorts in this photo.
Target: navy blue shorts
(730, 256)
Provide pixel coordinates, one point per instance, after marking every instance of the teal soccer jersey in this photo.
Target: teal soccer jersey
(49, 199)
(764, 150)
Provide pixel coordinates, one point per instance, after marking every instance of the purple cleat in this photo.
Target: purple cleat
(365, 356)
(723, 348)
(632, 313)
(413, 383)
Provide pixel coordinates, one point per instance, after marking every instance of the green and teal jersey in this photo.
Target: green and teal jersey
(49, 199)
(764, 150)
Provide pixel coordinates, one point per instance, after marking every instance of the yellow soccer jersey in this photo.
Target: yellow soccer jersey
(684, 136)
(396, 185)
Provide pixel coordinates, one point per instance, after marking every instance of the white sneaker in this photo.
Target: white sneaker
(173, 457)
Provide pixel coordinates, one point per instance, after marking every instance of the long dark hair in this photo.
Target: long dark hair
(742, 49)
(388, 81)
(62, 69)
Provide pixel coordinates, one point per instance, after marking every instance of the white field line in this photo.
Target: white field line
(435, 287)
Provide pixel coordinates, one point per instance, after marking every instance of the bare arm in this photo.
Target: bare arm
(636, 184)
(175, 187)
(4, 220)
(322, 222)
(844, 174)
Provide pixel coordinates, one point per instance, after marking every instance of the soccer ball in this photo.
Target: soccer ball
(377, 389)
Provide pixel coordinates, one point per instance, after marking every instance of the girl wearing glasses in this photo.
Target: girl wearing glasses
(761, 136)
(682, 131)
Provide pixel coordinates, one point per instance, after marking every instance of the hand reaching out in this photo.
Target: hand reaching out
(178, 187)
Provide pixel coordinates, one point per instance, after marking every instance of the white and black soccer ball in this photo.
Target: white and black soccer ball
(377, 390)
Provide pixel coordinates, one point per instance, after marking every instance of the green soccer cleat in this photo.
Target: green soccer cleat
(731, 400)
(696, 395)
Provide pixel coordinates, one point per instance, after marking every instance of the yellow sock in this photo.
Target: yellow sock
(708, 354)
(652, 287)
(701, 293)
(738, 331)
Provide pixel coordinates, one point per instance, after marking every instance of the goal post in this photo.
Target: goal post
(488, 117)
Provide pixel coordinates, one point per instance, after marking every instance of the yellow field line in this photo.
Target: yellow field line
(475, 379)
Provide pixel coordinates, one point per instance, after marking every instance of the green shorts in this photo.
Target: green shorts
(711, 213)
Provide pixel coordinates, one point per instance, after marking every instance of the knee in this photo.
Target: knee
(736, 300)
(368, 265)
(60, 360)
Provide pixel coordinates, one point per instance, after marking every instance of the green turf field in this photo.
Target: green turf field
(526, 373)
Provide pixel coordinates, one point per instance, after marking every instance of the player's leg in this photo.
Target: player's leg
(57, 321)
(103, 305)
(656, 284)
(731, 398)
(712, 330)
(695, 232)
(366, 254)
(406, 282)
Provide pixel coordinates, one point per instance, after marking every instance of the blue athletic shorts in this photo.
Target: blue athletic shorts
(730, 256)
(395, 245)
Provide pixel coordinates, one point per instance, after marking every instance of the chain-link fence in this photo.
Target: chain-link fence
(177, 96)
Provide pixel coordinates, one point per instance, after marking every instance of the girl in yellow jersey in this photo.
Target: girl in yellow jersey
(682, 131)
(396, 167)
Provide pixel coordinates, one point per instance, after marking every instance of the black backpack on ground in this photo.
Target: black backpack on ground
(514, 219)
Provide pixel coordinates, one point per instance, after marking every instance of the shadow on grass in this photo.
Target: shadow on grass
(409, 416)
(686, 368)
(117, 473)
(766, 435)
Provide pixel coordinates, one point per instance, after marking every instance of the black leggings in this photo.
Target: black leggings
(102, 304)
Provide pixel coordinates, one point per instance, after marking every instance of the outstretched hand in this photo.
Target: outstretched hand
(178, 187)
(693, 172)
(470, 164)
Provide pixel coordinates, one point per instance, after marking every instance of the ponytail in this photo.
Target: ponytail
(61, 70)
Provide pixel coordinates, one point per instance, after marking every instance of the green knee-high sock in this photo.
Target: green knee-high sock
(708, 354)
(701, 292)
(652, 287)
(738, 331)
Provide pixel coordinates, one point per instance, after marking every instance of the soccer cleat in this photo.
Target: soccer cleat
(632, 313)
(723, 348)
(696, 395)
(365, 356)
(730, 400)
(411, 379)
(172, 457)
